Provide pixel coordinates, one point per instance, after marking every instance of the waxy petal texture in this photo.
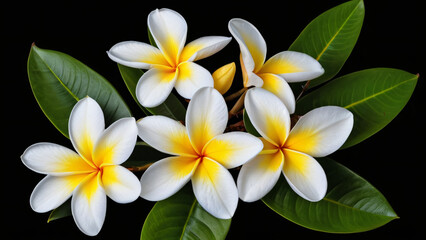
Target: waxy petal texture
(232, 149)
(321, 131)
(293, 66)
(259, 176)
(203, 47)
(304, 175)
(137, 55)
(88, 205)
(206, 117)
(86, 124)
(168, 29)
(166, 135)
(155, 86)
(252, 44)
(215, 189)
(268, 115)
(54, 159)
(166, 177)
(280, 88)
(120, 184)
(192, 77)
(117, 142)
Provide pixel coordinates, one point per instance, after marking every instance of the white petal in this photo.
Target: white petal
(88, 205)
(259, 176)
(321, 131)
(52, 191)
(120, 184)
(136, 54)
(206, 117)
(54, 159)
(268, 115)
(215, 189)
(278, 86)
(191, 78)
(232, 149)
(252, 44)
(155, 86)
(304, 175)
(166, 135)
(203, 47)
(293, 66)
(86, 124)
(166, 177)
(117, 142)
(169, 30)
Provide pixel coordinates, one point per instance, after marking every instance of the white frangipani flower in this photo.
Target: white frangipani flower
(91, 173)
(172, 63)
(272, 75)
(202, 154)
(318, 133)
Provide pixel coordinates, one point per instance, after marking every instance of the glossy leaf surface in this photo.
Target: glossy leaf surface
(59, 81)
(374, 96)
(330, 37)
(351, 205)
(181, 217)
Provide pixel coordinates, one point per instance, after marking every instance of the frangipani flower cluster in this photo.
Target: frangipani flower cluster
(204, 146)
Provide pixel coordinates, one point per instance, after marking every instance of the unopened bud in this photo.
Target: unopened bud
(223, 77)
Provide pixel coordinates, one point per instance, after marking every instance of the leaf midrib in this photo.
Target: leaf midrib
(378, 93)
(187, 219)
(338, 31)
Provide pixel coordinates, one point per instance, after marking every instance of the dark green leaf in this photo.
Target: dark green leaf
(351, 204)
(330, 37)
(375, 96)
(143, 155)
(60, 212)
(181, 217)
(171, 107)
(249, 126)
(58, 81)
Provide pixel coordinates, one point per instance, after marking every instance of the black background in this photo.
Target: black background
(393, 160)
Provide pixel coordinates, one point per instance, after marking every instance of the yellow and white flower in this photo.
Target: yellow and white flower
(172, 63)
(202, 154)
(272, 75)
(318, 133)
(91, 173)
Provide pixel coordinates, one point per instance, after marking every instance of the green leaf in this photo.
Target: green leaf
(374, 96)
(351, 204)
(143, 155)
(249, 126)
(60, 212)
(330, 37)
(171, 107)
(181, 217)
(59, 81)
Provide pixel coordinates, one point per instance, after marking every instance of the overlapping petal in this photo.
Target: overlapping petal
(259, 176)
(206, 117)
(321, 131)
(203, 47)
(278, 86)
(88, 205)
(215, 189)
(168, 29)
(137, 55)
(52, 191)
(166, 135)
(252, 44)
(167, 176)
(232, 149)
(268, 115)
(120, 184)
(86, 124)
(192, 77)
(117, 142)
(293, 66)
(304, 175)
(155, 86)
(54, 159)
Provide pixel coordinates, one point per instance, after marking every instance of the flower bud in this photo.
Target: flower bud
(223, 77)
